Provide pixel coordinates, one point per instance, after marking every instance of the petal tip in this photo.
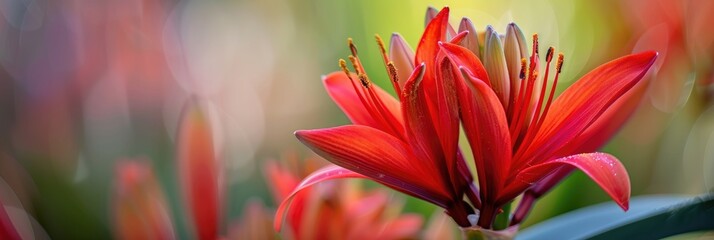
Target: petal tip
(300, 134)
(625, 206)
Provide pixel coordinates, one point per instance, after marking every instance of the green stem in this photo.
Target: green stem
(502, 219)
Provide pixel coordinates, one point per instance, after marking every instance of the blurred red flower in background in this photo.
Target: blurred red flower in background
(339, 210)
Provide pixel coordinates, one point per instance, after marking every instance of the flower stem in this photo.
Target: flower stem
(486, 216)
(502, 218)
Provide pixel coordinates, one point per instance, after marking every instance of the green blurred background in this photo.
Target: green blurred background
(84, 83)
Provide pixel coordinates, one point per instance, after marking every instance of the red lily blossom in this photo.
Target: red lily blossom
(518, 135)
(341, 210)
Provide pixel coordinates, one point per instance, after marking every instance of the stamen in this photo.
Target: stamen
(382, 49)
(533, 125)
(559, 67)
(359, 91)
(523, 106)
(343, 66)
(525, 99)
(391, 70)
(363, 79)
(353, 48)
(356, 64)
(386, 116)
(541, 119)
(372, 103)
(395, 78)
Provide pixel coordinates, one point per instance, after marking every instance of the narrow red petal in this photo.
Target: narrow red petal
(446, 119)
(486, 128)
(585, 101)
(379, 156)
(464, 58)
(199, 170)
(435, 32)
(324, 174)
(341, 91)
(602, 168)
(417, 118)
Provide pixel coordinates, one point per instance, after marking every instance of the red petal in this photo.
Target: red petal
(464, 58)
(486, 128)
(597, 134)
(199, 170)
(435, 32)
(324, 174)
(602, 168)
(341, 91)
(583, 102)
(418, 121)
(610, 122)
(446, 119)
(379, 156)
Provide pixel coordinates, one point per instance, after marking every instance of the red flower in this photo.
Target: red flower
(518, 134)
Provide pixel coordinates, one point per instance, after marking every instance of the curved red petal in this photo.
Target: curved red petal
(340, 89)
(486, 128)
(597, 134)
(585, 101)
(610, 122)
(464, 58)
(602, 168)
(324, 174)
(379, 156)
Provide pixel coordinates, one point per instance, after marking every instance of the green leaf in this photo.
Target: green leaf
(649, 217)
